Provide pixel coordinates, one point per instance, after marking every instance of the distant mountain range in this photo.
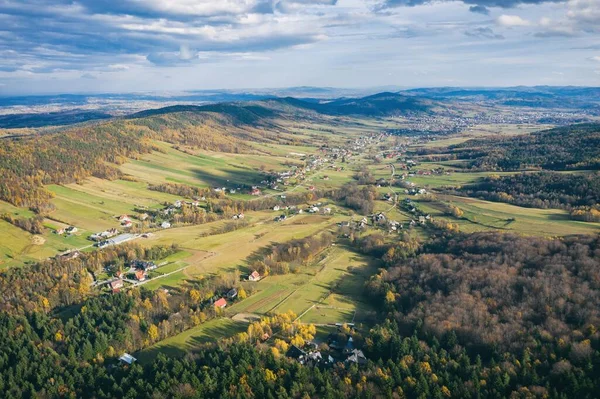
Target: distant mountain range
(40, 111)
(568, 97)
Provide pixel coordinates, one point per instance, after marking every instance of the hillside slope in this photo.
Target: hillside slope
(563, 148)
(377, 105)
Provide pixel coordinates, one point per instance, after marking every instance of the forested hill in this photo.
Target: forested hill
(70, 155)
(564, 148)
(244, 114)
(382, 104)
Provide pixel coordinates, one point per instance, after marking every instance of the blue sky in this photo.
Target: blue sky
(66, 46)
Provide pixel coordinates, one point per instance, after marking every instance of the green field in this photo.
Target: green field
(482, 215)
(192, 339)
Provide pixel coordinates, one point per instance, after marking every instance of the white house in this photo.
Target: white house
(165, 225)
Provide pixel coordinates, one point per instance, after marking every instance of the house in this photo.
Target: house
(140, 275)
(379, 218)
(127, 224)
(71, 229)
(116, 285)
(255, 191)
(357, 357)
(254, 276)
(276, 208)
(60, 231)
(144, 216)
(124, 218)
(71, 255)
(177, 204)
(110, 233)
(221, 303)
(327, 211)
(232, 293)
(314, 209)
(295, 353)
(165, 225)
(349, 346)
(127, 359)
(142, 265)
(311, 188)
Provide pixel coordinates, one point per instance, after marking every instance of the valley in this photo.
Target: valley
(214, 220)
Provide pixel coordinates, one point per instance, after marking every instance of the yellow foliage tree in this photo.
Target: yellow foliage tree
(195, 295)
(270, 376)
(153, 332)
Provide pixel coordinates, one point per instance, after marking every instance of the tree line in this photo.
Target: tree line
(539, 190)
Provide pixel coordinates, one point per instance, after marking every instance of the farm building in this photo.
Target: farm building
(71, 255)
(254, 276)
(221, 303)
(116, 285)
(127, 359)
(232, 293)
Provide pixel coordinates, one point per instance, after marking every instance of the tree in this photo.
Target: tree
(153, 333)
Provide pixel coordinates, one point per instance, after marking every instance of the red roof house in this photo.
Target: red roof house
(221, 303)
(140, 275)
(255, 276)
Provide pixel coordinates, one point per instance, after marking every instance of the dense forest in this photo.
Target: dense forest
(465, 315)
(564, 148)
(539, 190)
(498, 290)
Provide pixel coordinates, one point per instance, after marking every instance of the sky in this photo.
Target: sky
(91, 46)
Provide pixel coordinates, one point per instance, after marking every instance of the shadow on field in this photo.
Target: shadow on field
(230, 178)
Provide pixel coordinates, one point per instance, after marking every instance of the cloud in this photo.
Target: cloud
(480, 6)
(585, 14)
(595, 58)
(53, 35)
(511, 21)
(484, 33)
(480, 9)
(88, 76)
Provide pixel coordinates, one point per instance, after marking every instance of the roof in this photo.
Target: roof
(116, 283)
(295, 352)
(255, 274)
(221, 303)
(127, 358)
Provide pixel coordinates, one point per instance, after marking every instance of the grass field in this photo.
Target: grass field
(482, 215)
(335, 282)
(190, 340)
(328, 292)
(18, 246)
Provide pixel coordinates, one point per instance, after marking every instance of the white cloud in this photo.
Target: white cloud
(595, 58)
(512, 20)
